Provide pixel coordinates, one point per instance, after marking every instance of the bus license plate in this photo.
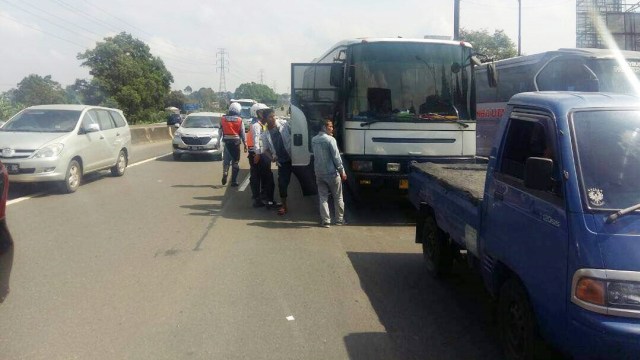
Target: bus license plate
(404, 184)
(195, 147)
(12, 168)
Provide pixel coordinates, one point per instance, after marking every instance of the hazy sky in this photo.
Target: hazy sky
(260, 38)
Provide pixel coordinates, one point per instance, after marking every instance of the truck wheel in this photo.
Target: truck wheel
(516, 322)
(437, 251)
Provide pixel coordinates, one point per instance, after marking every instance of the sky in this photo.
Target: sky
(260, 39)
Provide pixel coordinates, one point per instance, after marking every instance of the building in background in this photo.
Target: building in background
(621, 17)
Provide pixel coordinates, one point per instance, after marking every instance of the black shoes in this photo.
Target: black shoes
(224, 179)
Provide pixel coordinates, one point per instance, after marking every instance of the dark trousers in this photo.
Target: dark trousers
(284, 177)
(261, 178)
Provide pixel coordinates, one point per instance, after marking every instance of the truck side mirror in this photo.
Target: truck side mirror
(537, 173)
(492, 75)
(335, 79)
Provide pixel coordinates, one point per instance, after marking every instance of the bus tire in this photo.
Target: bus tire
(517, 322)
(436, 248)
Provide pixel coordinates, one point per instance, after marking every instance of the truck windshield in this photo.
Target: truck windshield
(410, 81)
(608, 153)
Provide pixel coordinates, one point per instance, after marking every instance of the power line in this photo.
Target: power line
(44, 32)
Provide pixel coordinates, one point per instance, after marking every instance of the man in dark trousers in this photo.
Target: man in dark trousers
(261, 179)
(232, 134)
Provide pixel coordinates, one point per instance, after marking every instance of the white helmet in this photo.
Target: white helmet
(253, 110)
(235, 108)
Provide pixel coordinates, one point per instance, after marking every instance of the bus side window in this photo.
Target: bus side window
(566, 74)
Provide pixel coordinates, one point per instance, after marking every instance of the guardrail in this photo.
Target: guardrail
(141, 134)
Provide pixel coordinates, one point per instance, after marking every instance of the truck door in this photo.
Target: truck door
(526, 229)
(313, 99)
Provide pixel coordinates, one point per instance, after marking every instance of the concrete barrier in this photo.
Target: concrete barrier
(150, 134)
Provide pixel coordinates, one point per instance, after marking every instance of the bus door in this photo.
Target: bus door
(313, 100)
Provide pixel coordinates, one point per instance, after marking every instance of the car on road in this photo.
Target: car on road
(62, 143)
(199, 134)
(174, 119)
(245, 113)
(6, 242)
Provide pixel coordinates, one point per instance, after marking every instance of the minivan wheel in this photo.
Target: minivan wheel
(120, 166)
(72, 181)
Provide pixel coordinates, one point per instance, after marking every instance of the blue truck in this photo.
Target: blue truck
(551, 222)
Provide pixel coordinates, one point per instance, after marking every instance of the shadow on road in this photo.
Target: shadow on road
(424, 318)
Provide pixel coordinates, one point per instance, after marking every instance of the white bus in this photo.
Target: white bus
(562, 70)
(393, 101)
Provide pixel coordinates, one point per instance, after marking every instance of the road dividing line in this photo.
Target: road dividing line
(20, 199)
(148, 160)
(15, 201)
(244, 183)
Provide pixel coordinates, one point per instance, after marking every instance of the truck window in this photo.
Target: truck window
(525, 139)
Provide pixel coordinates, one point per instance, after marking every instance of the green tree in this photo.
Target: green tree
(258, 92)
(206, 97)
(86, 92)
(497, 46)
(127, 72)
(188, 90)
(37, 90)
(8, 107)
(176, 98)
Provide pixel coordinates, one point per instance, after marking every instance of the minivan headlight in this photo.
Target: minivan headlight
(49, 151)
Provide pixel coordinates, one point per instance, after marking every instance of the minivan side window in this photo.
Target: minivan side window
(105, 120)
(120, 122)
(88, 119)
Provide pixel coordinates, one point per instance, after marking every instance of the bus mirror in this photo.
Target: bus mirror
(455, 68)
(492, 75)
(475, 61)
(335, 78)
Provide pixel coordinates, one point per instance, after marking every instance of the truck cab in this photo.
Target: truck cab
(555, 231)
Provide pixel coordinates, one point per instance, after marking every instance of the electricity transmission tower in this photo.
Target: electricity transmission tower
(223, 65)
(261, 76)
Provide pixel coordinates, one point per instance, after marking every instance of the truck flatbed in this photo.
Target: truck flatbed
(466, 179)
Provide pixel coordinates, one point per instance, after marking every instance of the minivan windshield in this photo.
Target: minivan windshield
(43, 120)
(610, 171)
(201, 122)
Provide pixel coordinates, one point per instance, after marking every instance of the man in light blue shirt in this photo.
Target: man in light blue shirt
(329, 174)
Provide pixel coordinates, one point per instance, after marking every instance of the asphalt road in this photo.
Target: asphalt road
(165, 263)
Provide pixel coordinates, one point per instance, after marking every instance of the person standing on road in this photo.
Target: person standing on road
(330, 174)
(261, 177)
(232, 134)
(276, 144)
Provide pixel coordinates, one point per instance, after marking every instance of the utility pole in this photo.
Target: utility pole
(456, 20)
(519, 27)
(223, 66)
(261, 76)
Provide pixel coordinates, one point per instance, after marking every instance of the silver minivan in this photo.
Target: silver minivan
(62, 143)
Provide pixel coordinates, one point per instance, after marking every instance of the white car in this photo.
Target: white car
(199, 134)
(62, 143)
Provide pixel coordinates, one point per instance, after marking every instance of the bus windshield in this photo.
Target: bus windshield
(410, 82)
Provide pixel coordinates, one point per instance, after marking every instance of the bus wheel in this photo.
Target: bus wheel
(437, 251)
(516, 321)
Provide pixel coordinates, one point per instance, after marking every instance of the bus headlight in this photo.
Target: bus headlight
(607, 291)
(393, 167)
(364, 166)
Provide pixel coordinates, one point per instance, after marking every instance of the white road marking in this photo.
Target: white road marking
(244, 183)
(148, 160)
(20, 199)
